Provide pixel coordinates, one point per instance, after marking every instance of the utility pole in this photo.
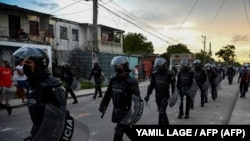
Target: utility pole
(210, 52)
(95, 48)
(204, 57)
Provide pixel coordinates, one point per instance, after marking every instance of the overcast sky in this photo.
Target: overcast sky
(163, 22)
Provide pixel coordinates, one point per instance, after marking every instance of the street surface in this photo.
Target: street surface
(216, 112)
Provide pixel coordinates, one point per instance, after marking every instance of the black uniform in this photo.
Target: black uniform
(212, 75)
(97, 72)
(200, 77)
(161, 82)
(68, 77)
(120, 90)
(43, 89)
(230, 74)
(184, 82)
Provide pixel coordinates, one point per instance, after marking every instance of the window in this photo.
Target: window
(34, 29)
(63, 33)
(50, 32)
(75, 36)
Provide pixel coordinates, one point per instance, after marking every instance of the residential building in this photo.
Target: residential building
(63, 40)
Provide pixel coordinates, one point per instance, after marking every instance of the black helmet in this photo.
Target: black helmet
(96, 64)
(160, 62)
(65, 64)
(207, 65)
(38, 55)
(120, 60)
(197, 62)
(184, 62)
(213, 66)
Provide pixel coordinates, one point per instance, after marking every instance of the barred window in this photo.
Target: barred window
(75, 36)
(63, 33)
(34, 28)
(50, 31)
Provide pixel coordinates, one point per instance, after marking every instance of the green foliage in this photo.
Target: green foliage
(174, 49)
(227, 53)
(200, 55)
(136, 43)
(87, 85)
(179, 48)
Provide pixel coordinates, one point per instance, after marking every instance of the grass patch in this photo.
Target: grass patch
(87, 85)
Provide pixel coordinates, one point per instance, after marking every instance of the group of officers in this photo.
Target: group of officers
(123, 90)
(186, 82)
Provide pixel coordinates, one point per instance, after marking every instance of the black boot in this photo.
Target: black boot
(9, 109)
(75, 101)
(180, 115)
(186, 116)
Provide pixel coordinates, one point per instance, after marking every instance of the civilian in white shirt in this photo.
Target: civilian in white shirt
(21, 80)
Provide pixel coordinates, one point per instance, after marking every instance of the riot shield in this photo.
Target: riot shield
(135, 111)
(217, 82)
(76, 85)
(58, 125)
(205, 87)
(174, 98)
(193, 89)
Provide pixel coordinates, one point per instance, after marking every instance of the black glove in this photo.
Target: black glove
(146, 98)
(102, 109)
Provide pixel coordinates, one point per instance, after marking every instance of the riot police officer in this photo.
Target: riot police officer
(212, 75)
(97, 73)
(200, 77)
(68, 77)
(42, 88)
(230, 74)
(184, 82)
(161, 80)
(121, 89)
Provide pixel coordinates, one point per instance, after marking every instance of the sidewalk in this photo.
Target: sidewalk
(15, 103)
(241, 112)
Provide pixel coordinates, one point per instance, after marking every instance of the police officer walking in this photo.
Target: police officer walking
(200, 77)
(230, 74)
(161, 81)
(68, 77)
(121, 90)
(212, 75)
(97, 72)
(42, 88)
(184, 82)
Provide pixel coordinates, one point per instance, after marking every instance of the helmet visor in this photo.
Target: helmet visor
(118, 60)
(25, 52)
(159, 62)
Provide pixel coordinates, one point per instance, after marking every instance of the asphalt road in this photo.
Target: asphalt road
(216, 112)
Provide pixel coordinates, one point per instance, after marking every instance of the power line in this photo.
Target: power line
(66, 6)
(217, 13)
(187, 15)
(138, 20)
(246, 13)
(134, 24)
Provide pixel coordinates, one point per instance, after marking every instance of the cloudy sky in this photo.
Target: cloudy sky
(163, 22)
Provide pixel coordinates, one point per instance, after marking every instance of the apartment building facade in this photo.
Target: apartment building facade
(61, 38)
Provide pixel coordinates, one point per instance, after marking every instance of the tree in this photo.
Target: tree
(136, 43)
(200, 56)
(227, 53)
(175, 49)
